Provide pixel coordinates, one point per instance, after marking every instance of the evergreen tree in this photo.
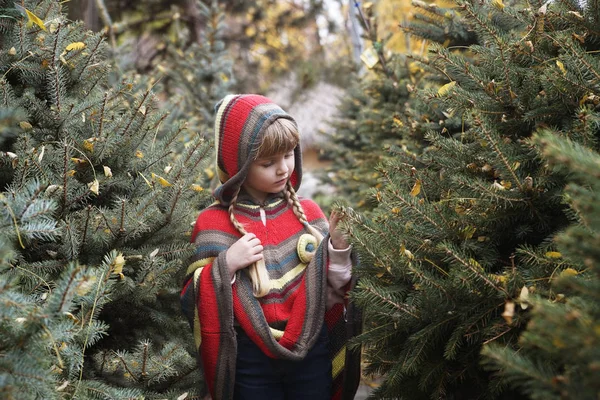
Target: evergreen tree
(98, 214)
(373, 118)
(195, 76)
(463, 233)
(560, 353)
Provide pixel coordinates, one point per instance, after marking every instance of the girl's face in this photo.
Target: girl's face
(269, 175)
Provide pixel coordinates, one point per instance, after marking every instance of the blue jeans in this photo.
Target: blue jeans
(259, 377)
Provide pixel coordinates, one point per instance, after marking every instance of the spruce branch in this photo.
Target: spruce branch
(121, 227)
(135, 111)
(486, 26)
(145, 359)
(101, 120)
(85, 226)
(487, 189)
(14, 218)
(407, 203)
(450, 252)
(478, 122)
(386, 300)
(90, 57)
(54, 68)
(579, 55)
(87, 334)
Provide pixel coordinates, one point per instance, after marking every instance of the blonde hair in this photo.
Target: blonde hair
(279, 137)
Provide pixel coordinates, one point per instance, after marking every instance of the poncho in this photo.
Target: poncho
(286, 322)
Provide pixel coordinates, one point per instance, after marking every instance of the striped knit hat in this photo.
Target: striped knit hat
(239, 128)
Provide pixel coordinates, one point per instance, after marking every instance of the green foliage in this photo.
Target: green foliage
(95, 221)
(196, 76)
(374, 118)
(463, 231)
(560, 352)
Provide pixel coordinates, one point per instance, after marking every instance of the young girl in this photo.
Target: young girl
(265, 289)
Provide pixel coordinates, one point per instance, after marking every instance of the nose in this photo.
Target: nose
(282, 168)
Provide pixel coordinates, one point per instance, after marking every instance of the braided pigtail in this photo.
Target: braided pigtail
(294, 202)
(258, 271)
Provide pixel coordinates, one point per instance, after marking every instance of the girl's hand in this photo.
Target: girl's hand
(246, 251)
(338, 240)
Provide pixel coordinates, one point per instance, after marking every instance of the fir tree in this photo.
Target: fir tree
(373, 118)
(195, 76)
(560, 353)
(463, 233)
(100, 209)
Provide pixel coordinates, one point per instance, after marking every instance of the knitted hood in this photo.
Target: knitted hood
(240, 124)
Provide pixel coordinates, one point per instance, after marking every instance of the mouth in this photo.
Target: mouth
(279, 182)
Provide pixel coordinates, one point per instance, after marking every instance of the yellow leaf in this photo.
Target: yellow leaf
(444, 90)
(12, 51)
(88, 145)
(395, 210)
(41, 156)
(33, 19)
(524, 297)
(163, 182)
(509, 312)
(75, 46)
(197, 188)
(107, 171)
(416, 188)
(25, 125)
(117, 264)
(139, 154)
(499, 278)
(78, 161)
(561, 66)
(71, 172)
(397, 121)
(414, 68)
(85, 286)
(94, 186)
(498, 4)
(569, 272)
(250, 30)
(553, 254)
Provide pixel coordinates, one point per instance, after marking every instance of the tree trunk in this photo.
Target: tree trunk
(86, 11)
